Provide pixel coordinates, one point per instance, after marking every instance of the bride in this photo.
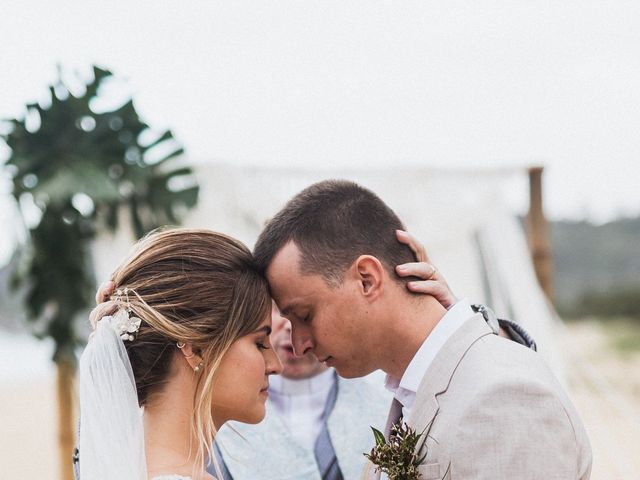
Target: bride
(189, 343)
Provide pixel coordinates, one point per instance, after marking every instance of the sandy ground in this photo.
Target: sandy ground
(28, 443)
(604, 386)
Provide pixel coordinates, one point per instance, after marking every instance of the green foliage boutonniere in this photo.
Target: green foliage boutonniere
(399, 456)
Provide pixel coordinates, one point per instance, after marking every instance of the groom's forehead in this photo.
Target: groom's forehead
(292, 289)
(285, 266)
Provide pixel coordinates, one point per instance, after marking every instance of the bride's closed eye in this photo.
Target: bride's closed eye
(263, 342)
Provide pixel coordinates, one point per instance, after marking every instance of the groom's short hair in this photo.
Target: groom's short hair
(332, 223)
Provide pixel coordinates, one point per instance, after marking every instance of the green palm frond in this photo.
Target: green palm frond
(65, 149)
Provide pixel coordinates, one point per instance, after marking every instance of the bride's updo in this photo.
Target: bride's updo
(188, 286)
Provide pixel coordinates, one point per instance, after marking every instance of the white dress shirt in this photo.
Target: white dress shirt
(301, 404)
(405, 389)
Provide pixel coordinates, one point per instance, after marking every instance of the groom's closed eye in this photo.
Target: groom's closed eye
(301, 317)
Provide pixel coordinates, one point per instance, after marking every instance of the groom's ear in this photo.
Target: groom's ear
(370, 275)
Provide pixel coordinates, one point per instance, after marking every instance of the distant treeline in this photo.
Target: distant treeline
(597, 268)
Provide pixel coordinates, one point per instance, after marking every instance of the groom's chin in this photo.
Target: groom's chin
(346, 372)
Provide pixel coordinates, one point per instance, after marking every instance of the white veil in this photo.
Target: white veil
(111, 430)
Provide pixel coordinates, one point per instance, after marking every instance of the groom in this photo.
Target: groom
(492, 409)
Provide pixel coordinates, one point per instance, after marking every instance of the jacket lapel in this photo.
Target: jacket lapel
(435, 381)
(438, 376)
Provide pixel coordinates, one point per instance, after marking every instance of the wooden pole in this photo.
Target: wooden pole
(66, 426)
(538, 234)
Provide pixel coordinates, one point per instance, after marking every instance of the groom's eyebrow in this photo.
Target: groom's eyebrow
(288, 310)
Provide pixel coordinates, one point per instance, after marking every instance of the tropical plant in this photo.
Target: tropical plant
(75, 169)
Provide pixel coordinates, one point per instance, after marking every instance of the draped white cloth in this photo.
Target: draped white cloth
(111, 428)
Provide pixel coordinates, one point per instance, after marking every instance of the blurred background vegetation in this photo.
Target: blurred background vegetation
(77, 164)
(597, 269)
(597, 277)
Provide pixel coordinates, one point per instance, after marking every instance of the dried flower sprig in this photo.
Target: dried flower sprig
(399, 456)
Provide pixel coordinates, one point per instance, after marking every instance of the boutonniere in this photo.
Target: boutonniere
(398, 456)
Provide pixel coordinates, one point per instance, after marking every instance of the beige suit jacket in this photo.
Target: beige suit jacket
(493, 410)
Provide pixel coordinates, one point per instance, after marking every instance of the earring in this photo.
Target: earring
(198, 367)
(181, 345)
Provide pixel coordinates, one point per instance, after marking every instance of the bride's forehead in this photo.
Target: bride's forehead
(265, 324)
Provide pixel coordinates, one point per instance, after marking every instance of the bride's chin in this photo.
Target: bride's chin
(249, 416)
(257, 417)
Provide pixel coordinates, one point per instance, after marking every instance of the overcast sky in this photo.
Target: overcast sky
(365, 83)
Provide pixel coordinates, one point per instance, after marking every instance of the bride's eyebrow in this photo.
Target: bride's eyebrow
(266, 329)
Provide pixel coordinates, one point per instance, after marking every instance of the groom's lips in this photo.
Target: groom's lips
(327, 360)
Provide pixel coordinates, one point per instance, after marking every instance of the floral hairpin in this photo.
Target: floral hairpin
(122, 322)
(125, 326)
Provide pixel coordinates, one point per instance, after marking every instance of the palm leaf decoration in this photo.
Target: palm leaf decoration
(74, 171)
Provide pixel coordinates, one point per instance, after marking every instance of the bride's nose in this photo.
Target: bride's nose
(273, 364)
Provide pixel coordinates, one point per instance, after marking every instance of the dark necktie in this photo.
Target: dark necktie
(323, 451)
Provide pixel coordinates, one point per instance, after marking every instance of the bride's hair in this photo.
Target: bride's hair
(191, 286)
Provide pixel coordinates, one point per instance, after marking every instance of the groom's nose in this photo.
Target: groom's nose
(301, 341)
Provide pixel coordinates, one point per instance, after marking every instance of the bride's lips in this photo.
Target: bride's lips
(265, 391)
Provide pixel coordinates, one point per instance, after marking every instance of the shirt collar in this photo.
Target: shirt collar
(406, 388)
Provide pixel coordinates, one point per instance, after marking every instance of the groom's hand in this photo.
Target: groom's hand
(104, 306)
(432, 283)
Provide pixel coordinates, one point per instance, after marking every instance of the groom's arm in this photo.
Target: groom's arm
(518, 430)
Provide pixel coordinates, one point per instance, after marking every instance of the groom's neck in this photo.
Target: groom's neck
(407, 326)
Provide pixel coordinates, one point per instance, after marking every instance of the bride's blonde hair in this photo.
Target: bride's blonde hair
(192, 286)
